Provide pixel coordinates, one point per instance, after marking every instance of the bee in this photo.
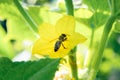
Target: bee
(60, 41)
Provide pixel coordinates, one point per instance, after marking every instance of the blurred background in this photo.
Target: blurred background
(16, 38)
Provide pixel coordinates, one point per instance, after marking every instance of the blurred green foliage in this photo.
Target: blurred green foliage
(88, 20)
(27, 71)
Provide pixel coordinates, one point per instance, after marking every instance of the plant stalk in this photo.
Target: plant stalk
(92, 38)
(72, 54)
(98, 56)
(72, 62)
(26, 16)
(69, 7)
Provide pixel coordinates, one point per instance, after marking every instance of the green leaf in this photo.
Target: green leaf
(43, 69)
(48, 16)
(115, 6)
(6, 48)
(95, 5)
(117, 27)
(35, 14)
(96, 20)
(113, 42)
(2, 32)
(5, 65)
(46, 72)
(15, 22)
(6, 1)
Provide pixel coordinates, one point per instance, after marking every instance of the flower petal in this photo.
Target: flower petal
(49, 35)
(65, 25)
(77, 38)
(41, 47)
(71, 42)
(47, 31)
(46, 48)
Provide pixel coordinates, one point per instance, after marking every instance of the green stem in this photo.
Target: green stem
(26, 16)
(72, 56)
(91, 49)
(72, 62)
(89, 57)
(69, 7)
(92, 37)
(98, 55)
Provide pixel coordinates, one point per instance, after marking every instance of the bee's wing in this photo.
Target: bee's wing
(53, 40)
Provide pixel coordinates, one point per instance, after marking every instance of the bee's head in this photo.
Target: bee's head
(64, 35)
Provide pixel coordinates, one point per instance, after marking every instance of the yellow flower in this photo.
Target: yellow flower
(57, 40)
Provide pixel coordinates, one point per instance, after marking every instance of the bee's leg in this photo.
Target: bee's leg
(64, 46)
